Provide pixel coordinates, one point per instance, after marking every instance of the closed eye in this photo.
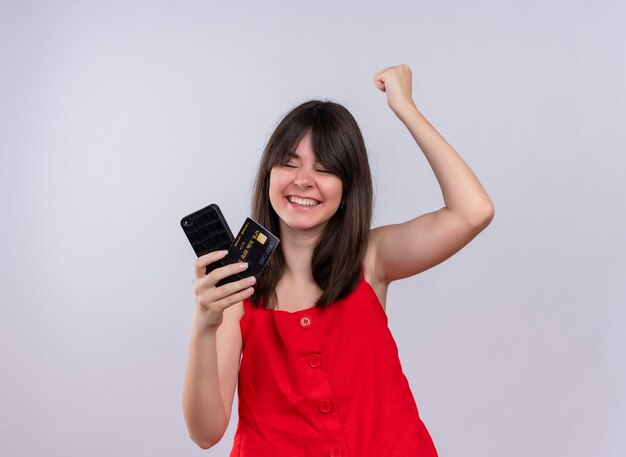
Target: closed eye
(288, 165)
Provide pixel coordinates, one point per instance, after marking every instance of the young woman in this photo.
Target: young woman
(309, 347)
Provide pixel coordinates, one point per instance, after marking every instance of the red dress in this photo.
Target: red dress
(325, 383)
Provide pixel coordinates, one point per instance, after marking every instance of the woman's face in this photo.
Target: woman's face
(303, 194)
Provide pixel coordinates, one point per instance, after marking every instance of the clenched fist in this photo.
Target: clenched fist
(396, 82)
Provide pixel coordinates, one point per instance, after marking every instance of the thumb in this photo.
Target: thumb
(379, 83)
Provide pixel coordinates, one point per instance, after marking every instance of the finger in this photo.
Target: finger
(379, 82)
(206, 259)
(231, 288)
(220, 297)
(234, 298)
(224, 272)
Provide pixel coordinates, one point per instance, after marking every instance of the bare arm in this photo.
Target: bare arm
(404, 250)
(214, 352)
(210, 380)
(203, 407)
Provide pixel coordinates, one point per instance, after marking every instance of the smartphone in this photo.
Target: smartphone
(208, 231)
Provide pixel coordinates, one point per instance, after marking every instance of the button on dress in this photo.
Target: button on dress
(325, 382)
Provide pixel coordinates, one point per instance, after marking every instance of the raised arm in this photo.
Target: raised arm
(404, 250)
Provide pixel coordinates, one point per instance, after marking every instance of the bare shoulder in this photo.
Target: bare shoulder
(369, 268)
(229, 331)
(237, 310)
(229, 328)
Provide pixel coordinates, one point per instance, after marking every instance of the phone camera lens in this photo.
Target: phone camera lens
(188, 222)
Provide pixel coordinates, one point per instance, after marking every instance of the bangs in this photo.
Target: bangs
(285, 146)
(326, 140)
(326, 143)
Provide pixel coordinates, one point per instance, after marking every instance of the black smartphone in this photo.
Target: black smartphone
(208, 231)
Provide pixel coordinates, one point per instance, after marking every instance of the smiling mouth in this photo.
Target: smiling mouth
(303, 202)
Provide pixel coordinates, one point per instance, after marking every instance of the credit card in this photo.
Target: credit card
(254, 244)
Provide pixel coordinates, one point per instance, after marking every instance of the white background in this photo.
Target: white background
(118, 118)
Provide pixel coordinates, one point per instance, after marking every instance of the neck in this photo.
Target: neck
(297, 247)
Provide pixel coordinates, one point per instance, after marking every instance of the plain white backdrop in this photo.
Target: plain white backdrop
(118, 118)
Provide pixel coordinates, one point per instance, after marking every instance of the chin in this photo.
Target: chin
(300, 225)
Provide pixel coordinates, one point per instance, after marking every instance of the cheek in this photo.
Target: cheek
(336, 190)
(277, 180)
(276, 188)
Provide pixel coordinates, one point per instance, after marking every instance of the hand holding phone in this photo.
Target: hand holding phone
(211, 301)
(208, 231)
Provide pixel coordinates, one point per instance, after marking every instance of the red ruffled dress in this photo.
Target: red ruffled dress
(325, 383)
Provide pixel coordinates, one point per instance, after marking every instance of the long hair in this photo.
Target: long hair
(338, 145)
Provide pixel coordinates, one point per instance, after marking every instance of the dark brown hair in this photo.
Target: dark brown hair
(338, 145)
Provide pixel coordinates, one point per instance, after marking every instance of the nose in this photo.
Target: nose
(303, 178)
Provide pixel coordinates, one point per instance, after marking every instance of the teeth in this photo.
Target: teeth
(303, 201)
